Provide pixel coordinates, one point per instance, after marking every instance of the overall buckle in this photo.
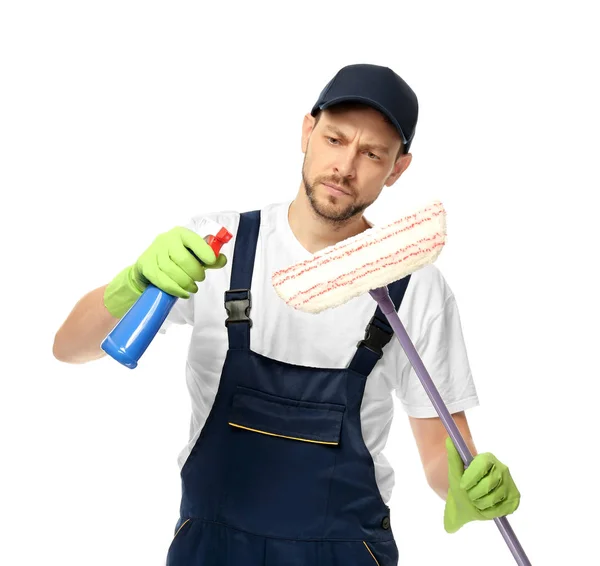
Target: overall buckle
(237, 304)
(376, 337)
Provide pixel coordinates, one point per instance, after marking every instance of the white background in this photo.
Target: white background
(122, 119)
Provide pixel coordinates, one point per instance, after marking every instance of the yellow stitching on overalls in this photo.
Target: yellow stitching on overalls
(180, 528)
(372, 555)
(282, 436)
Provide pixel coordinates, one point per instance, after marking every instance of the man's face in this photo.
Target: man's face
(349, 156)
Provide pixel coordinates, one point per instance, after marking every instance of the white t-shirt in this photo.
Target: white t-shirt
(428, 312)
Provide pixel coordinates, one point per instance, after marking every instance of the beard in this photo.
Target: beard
(332, 210)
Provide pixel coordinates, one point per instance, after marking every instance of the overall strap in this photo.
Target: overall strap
(378, 333)
(238, 299)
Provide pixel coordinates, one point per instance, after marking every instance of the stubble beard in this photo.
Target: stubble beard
(335, 215)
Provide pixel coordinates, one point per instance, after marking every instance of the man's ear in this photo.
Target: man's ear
(308, 125)
(400, 166)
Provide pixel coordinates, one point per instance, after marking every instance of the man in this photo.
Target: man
(291, 411)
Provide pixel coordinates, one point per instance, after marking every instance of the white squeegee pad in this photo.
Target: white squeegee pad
(374, 258)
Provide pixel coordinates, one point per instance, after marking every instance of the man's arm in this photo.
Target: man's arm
(430, 436)
(174, 262)
(79, 337)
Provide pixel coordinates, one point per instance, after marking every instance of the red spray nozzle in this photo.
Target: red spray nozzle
(216, 242)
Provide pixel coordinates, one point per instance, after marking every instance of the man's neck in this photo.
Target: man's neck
(314, 232)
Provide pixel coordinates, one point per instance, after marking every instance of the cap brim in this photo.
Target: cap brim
(366, 101)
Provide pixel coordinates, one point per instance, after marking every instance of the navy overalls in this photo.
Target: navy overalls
(280, 474)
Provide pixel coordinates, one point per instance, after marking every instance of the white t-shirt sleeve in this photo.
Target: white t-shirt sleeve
(442, 349)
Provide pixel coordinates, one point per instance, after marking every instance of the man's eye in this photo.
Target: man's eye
(372, 155)
(332, 140)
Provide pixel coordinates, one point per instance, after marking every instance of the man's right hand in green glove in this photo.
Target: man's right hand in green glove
(174, 262)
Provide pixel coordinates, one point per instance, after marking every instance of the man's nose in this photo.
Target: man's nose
(346, 163)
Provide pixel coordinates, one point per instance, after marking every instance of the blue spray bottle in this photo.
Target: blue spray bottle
(132, 335)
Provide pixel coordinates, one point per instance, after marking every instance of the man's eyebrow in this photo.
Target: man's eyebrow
(375, 146)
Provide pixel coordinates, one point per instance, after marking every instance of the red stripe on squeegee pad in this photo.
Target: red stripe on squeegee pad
(333, 284)
(314, 263)
(343, 245)
(394, 254)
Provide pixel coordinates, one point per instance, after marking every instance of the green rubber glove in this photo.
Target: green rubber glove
(484, 491)
(173, 262)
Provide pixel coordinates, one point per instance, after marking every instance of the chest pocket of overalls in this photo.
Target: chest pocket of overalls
(281, 458)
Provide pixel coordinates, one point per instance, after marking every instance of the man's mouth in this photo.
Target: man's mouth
(336, 188)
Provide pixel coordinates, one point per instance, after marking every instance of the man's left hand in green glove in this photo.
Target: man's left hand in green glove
(484, 491)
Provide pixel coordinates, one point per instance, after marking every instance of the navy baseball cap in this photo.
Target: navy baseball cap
(378, 87)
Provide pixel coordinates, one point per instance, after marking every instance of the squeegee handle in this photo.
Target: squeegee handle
(382, 297)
